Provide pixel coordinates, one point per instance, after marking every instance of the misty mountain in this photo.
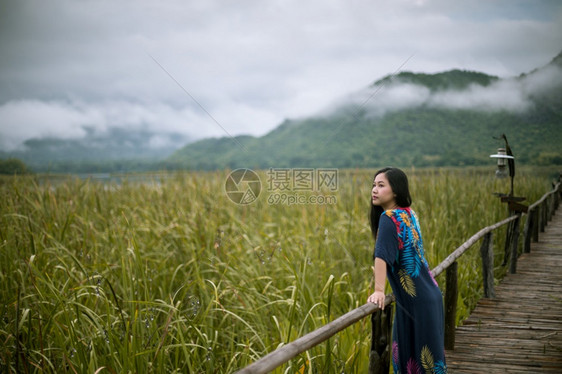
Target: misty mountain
(410, 119)
(98, 151)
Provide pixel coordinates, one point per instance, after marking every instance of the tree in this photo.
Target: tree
(13, 166)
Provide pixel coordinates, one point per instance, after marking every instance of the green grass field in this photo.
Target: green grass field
(169, 275)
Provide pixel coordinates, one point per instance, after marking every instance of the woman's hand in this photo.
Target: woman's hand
(377, 298)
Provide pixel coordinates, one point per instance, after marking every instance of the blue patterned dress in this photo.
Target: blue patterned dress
(417, 335)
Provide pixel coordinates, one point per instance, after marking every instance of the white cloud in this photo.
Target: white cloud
(512, 95)
(20, 120)
(379, 100)
(249, 63)
(505, 95)
(543, 80)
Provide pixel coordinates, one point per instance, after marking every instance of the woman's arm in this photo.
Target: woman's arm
(380, 280)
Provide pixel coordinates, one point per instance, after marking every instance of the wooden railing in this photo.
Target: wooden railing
(538, 214)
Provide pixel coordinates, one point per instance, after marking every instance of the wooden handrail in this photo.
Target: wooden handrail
(466, 245)
(304, 343)
(545, 196)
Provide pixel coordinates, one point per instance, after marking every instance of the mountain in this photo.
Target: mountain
(409, 119)
(114, 150)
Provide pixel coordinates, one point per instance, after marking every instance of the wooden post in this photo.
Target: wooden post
(536, 223)
(557, 195)
(487, 255)
(451, 295)
(546, 209)
(381, 336)
(550, 207)
(514, 245)
(543, 215)
(508, 237)
(528, 231)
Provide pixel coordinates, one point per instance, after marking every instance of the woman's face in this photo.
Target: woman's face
(382, 194)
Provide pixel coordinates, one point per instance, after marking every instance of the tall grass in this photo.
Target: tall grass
(171, 276)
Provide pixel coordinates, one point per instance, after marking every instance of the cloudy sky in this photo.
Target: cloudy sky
(216, 67)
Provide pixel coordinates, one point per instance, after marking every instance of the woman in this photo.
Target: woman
(417, 336)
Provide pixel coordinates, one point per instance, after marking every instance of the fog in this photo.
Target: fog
(510, 94)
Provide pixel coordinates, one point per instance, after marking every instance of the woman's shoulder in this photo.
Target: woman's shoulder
(398, 212)
(401, 216)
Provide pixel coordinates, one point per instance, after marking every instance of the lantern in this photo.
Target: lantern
(502, 157)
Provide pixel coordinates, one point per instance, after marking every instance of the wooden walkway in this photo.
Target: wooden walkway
(520, 331)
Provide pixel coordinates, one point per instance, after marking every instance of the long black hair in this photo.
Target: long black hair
(399, 183)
